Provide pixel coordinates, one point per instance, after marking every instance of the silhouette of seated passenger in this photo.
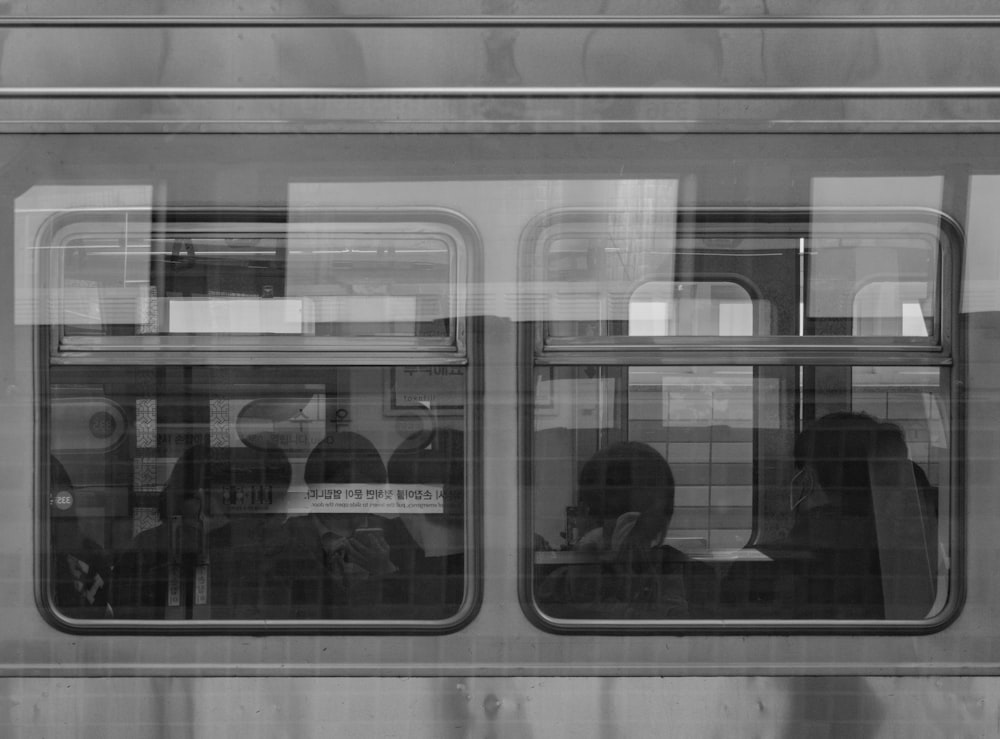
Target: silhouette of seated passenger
(439, 557)
(199, 539)
(343, 564)
(860, 527)
(627, 490)
(834, 519)
(246, 539)
(81, 571)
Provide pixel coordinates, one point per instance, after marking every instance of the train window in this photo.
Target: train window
(750, 421)
(254, 419)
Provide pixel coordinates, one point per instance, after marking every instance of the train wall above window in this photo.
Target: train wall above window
(850, 66)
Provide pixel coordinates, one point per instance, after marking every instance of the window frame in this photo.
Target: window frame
(462, 350)
(941, 350)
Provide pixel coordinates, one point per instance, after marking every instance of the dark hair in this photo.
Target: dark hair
(627, 476)
(58, 476)
(345, 457)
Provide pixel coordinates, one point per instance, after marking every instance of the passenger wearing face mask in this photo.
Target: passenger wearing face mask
(862, 534)
(834, 520)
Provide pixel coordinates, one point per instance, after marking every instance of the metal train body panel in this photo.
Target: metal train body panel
(492, 151)
(519, 707)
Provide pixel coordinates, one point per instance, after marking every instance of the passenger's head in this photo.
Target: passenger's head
(835, 452)
(344, 457)
(628, 477)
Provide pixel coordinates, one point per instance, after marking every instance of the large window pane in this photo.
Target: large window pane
(278, 493)
(676, 492)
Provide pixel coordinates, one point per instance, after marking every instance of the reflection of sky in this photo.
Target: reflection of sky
(981, 282)
(837, 274)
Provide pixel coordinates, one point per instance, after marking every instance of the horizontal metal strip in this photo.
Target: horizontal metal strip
(268, 344)
(731, 357)
(709, 344)
(224, 125)
(532, 92)
(507, 21)
(247, 358)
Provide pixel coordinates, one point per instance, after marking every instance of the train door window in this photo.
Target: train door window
(255, 419)
(751, 424)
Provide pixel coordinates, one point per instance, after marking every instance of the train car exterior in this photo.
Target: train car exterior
(587, 369)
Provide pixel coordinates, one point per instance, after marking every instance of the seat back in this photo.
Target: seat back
(906, 553)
